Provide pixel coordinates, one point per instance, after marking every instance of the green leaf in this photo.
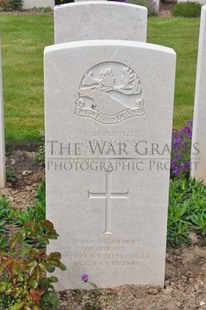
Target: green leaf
(31, 263)
(16, 268)
(36, 273)
(25, 250)
(3, 286)
(62, 267)
(17, 306)
(33, 283)
(18, 238)
(54, 256)
(51, 298)
(53, 279)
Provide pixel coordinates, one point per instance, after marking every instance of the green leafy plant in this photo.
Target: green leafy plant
(11, 5)
(41, 155)
(96, 296)
(42, 9)
(40, 158)
(149, 4)
(10, 216)
(6, 210)
(6, 217)
(41, 194)
(187, 210)
(199, 222)
(11, 175)
(23, 267)
(187, 9)
(37, 211)
(177, 228)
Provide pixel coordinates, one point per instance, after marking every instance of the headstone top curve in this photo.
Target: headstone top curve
(108, 3)
(117, 43)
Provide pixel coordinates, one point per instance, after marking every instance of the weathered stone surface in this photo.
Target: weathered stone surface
(30, 4)
(109, 108)
(198, 153)
(93, 20)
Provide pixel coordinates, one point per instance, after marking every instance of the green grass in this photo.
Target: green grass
(23, 40)
(182, 35)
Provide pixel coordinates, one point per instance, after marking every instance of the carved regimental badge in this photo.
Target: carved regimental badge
(109, 93)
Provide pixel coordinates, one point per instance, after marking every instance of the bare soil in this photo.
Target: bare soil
(185, 280)
(166, 8)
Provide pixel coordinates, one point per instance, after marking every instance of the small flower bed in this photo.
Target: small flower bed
(181, 150)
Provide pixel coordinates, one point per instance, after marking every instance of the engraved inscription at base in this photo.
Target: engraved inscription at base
(100, 253)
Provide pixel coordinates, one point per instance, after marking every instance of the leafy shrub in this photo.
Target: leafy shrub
(187, 9)
(24, 263)
(41, 155)
(7, 214)
(23, 267)
(11, 5)
(181, 151)
(10, 175)
(37, 211)
(41, 150)
(6, 210)
(149, 4)
(187, 210)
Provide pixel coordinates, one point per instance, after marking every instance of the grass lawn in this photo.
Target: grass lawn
(23, 40)
(182, 35)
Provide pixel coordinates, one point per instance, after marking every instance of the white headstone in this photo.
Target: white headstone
(2, 141)
(30, 4)
(109, 108)
(198, 153)
(93, 20)
(156, 4)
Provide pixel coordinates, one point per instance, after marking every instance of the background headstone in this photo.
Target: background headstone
(157, 5)
(2, 141)
(30, 4)
(109, 107)
(99, 20)
(198, 153)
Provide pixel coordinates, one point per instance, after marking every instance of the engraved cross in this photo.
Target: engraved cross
(108, 196)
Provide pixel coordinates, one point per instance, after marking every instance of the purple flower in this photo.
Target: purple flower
(84, 277)
(180, 157)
